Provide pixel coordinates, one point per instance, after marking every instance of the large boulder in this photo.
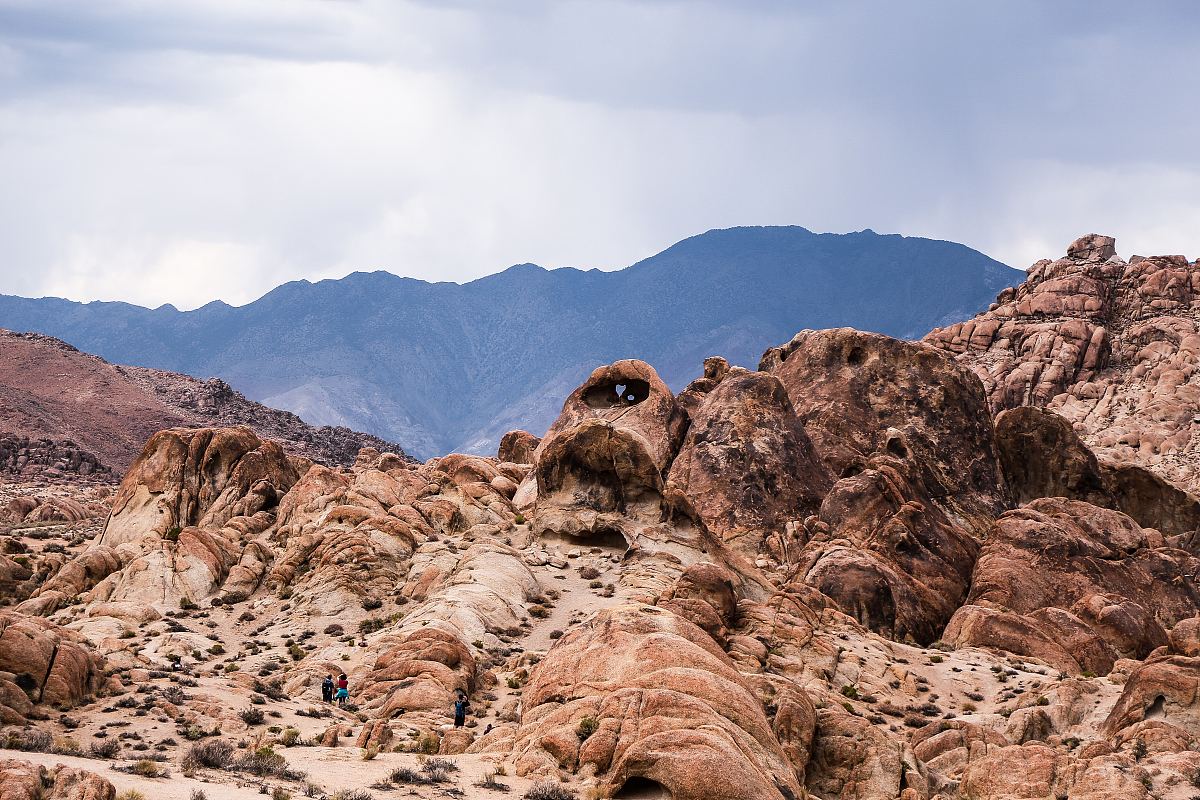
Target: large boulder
(910, 435)
(518, 447)
(200, 477)
(862, 394)
(600, 468)
(747, 466)
(1075, 585)
(41, 662)
(1043, 456)
(21, 780)
(641, 698)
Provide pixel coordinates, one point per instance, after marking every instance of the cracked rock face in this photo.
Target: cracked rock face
(1112, 346)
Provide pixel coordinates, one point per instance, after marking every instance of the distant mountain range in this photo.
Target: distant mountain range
(439, 367)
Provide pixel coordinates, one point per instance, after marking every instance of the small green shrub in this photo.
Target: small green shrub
(587, 726)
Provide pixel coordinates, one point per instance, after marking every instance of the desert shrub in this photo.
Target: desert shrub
(405, 775)
(174, 695)
(352, 794)
(429, 743)
(519, 519)
(488, 781)
(105, 748)
(193, 733)
(372, 603)
(538, 610)
(279, 793)
(334, 629)
(66, 746)
(147, 769)
(851, 691)
(371, 624)
(198, 794)
(188, 604)
(587, 726)
(262, 762)
(296, 652)
(131, 794)
(272, 689)
(589, 573)
(214, 753)
(252, 716)
(290, 737)
(548, 790)
(31, 740)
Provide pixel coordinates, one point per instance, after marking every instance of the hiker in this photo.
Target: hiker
(343, 689)
(460, 708)
(327, 689)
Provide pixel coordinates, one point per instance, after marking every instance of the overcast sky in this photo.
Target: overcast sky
(186, 151)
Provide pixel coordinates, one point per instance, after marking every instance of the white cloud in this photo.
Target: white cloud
(190, 151)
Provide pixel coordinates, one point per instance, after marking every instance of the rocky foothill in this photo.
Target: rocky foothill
(67, 416)
(961, 569)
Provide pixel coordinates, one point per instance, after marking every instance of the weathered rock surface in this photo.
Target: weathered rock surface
(518, 447)
(670, 710)
(1043, 456)
(41, 662)
(1077, 586)
(910, 435)
(600, 467)
(21, 780)
(1113, 347)
(747, 466)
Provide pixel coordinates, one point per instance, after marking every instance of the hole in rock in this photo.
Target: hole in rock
(607, 538)
(642, 789)
(896, 447)
(856, 356)
(1156, 710)
(612, 394)
(851, 470)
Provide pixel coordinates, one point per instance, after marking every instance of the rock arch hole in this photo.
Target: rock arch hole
(639, 788)
(896, 447)
(617, 393)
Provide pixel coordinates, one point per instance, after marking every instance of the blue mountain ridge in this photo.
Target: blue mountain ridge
(440, 367)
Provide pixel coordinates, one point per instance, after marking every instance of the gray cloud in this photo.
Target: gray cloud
(185, 151)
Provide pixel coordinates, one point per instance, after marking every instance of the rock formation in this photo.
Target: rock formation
(1112, 346)
(854, 573)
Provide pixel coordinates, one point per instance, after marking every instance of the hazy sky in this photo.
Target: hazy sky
(184, 151)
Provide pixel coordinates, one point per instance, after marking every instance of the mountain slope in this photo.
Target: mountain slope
(444, 366)
(52, 394)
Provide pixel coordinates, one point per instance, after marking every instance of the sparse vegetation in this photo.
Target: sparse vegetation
(252, 715)
(105, 748)
(214, 753)
(31, 740)
(548, 790)
(587, 726)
